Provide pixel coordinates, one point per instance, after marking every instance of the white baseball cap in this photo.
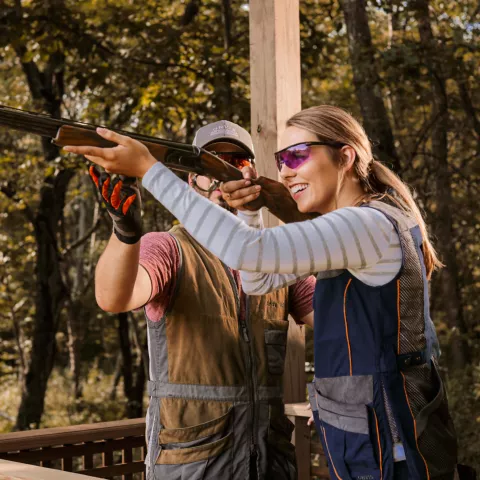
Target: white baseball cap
(224, 130)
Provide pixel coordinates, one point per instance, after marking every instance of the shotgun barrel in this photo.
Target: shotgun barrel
(175, 155)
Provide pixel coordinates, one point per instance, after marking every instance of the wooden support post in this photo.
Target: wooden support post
(275, 96)
(275, 81)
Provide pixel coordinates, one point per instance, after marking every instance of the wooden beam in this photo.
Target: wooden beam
(275, 96)
(274, 77)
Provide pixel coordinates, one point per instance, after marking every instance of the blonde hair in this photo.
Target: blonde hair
(333, 124)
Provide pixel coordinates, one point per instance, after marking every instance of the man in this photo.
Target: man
(216, 355)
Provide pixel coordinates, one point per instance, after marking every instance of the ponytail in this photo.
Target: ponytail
(383, 181)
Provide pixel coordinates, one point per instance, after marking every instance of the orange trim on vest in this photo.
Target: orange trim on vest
(398, 315)
(328, 451)
(346, 325)
(414, 424)
(379, 445)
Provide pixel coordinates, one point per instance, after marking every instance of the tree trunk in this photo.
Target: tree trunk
(77, 286)
(117, 374)
(20, 341)
(19, 336)
(136, 408)
(49, 296)
(447, 283)
(367, 82)
(46, 88)
(461, 78)
(133, 388)
(127, 363)
(142, 346)
(74, 349)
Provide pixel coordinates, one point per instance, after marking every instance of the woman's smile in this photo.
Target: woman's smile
(297, 189)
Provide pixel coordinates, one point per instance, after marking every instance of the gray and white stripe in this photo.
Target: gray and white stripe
(361, 240)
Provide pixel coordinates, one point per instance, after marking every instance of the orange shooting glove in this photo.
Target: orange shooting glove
(122, 198)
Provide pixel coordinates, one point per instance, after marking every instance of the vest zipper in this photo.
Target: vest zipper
(244, 329)
(254, 381)
(249, 357)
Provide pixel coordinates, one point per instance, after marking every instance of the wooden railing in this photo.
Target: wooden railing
(104, 450)
(117, 449)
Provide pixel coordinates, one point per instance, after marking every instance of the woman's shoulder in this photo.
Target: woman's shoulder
(401, 218)
(365, 224)
(367, 215)
(371, 242)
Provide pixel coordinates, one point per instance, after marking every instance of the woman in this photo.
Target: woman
(378, 401)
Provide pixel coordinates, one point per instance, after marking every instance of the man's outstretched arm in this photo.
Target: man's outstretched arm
(121, 284)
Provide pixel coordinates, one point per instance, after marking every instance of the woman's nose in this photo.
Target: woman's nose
(287, 172)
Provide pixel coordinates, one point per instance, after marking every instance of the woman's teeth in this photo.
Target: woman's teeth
(298, 188)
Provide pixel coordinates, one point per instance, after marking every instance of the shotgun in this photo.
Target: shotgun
(174, 155)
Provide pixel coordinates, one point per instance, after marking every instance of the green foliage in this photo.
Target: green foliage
(60, 410)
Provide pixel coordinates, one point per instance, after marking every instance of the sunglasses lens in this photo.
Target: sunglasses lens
(293, 157)
(235, 160)
(241, 162)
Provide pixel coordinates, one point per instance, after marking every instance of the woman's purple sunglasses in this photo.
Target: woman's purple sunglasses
(295, 155)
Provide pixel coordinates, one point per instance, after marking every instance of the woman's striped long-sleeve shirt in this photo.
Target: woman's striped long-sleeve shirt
(359, 239)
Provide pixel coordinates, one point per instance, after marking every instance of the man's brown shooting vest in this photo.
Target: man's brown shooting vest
(215, 380)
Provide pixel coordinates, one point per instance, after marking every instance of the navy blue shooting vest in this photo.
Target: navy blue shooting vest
(376, 380)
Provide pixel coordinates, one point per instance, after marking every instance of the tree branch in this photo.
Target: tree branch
(81, 240)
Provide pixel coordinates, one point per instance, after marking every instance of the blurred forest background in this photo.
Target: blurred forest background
(407, 69)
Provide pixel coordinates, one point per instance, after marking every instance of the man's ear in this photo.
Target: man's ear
(349, 155)
(190, 179)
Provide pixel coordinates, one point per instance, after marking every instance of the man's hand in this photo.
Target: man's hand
(238, 193)
(311, 420)
(122, 198)
(129, 157)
